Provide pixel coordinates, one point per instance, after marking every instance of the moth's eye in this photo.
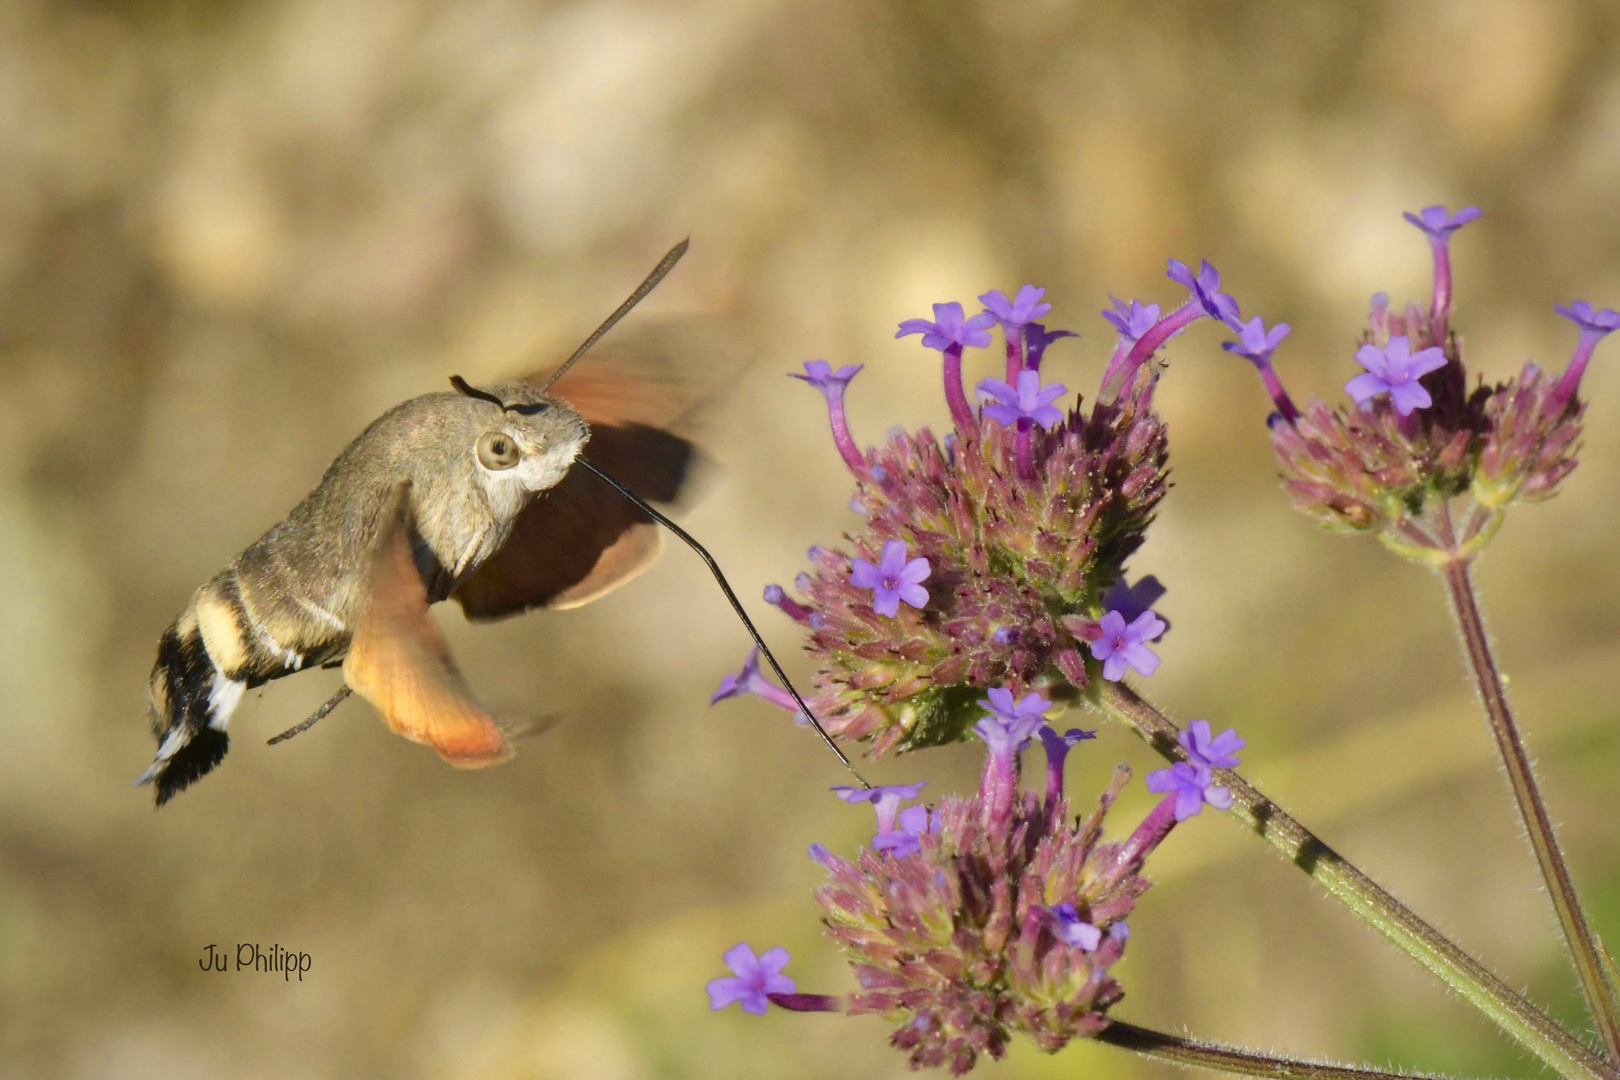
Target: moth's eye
(496, 450)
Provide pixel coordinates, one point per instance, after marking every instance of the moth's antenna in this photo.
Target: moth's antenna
(665, 265)
(736, 605)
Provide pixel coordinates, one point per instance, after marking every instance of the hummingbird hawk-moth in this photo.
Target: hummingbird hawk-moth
(475, 496)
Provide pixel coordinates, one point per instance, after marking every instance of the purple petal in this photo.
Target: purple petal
(894, 557)
(1407, 396)
(915, 595)
(914, 571)
(1373, 359)
(886, 602)
(1363, 388)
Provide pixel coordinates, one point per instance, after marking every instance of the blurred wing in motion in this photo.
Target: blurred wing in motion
(399, 663)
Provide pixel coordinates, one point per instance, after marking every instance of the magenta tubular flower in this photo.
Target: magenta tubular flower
(1026, 406)
(1256, 343)
(1068, 927)
(752, 981)
(1438, 225)
(950, 332)
(1217, 752)
(892, 580)
(1009, 725)
(1121, 645)
(1057, 748)
(1594, 326)
(751, 681)
(1014, 315)
(819, 373)
(1036, 340)
(885, 800)
(1395, 370)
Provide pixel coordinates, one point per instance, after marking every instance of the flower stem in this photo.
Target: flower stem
(955, 396)
(1207, 1055)
(1519, 1019)
(1601, 998)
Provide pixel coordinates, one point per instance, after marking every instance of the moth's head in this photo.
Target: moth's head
(522, 435)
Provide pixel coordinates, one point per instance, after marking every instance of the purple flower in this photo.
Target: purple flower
(819, 854)
(1069, 928)
(750, 681)
(1192, 786)
(1595, 326)
(1057, 748)
(1030, 401)
(903, 841)
(1121, 646)
(1010, 724)
(885, 800)
(1590, 320)
(1438, 224)
(1131, 320)
(1036, 340)
(892, 580)
(1255, 342)
(1120, 932)
(1395, 370)
(950, 328)
(1206, 290)
(1219, 752)
(1132, 600)
(753, 979)
(1019, 311)
(819, 373)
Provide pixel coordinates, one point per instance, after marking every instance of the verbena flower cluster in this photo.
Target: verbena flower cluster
(992, 914)
(1418, 437)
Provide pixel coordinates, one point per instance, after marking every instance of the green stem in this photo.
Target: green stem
(1598, 988)
(1228, 1059)
(1522, 1021)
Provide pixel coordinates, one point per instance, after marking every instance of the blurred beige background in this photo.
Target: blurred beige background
(232, 233)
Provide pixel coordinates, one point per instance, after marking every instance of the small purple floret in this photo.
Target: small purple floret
(1036, 340)
(1206, 290)
(1217, 752)
(949, 328)
(1122, 645)
(1438, 225)
(892, 579)
(1017, 312)
(1131, 320)
(1395, 370)
(1589, 319)
(750, 680)
(914, 821)
(819, 373)
(1069, 928)
(885, 800)
(1191, 786)
(1256, 342)
(753, 979)
(1030, 402)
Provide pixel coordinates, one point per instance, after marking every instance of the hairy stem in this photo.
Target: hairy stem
(1599, 990)
(1522, 1021)
(1228, 1059)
